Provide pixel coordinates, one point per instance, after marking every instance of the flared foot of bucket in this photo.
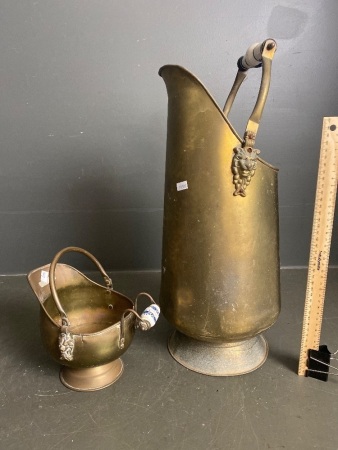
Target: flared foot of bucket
(219, 360)
(92, 379)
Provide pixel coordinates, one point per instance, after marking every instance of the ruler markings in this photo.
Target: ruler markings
(320, 241)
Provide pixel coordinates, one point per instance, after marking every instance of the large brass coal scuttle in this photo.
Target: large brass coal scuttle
(220, 259)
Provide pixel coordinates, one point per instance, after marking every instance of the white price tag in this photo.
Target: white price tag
(182, 185)
(44, 278)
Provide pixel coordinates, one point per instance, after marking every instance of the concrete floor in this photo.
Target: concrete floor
(157, 403)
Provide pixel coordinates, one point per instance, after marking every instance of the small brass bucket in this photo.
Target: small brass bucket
(84, 326)
(220, 254)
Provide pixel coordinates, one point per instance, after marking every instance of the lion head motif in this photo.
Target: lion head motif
(244, 163)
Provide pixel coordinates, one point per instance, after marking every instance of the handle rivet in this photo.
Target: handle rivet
(270, 46)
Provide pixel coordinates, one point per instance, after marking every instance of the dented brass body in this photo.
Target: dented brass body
(220, 255)
(84, 326)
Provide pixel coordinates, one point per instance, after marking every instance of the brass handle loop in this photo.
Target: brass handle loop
(138, 317)
(145, 294)
(123, 325)
(267, 49)
(108, 281)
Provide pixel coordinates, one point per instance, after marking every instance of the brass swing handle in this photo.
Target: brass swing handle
(257, 55)
(107, 280)
(145, 321)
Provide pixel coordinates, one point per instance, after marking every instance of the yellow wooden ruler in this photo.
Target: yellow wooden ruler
(320, 241)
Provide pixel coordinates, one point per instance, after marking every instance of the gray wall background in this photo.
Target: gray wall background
(83, 116)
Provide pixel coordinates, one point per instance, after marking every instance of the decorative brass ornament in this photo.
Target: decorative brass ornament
(220, 251)
(85, 326)
(244, 163)
(66, 344)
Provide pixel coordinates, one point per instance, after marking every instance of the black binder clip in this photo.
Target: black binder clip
(319, 363)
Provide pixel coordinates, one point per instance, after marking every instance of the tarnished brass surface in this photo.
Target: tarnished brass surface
(220, 256)
(93, 378)
(94, 325)
(84, 326)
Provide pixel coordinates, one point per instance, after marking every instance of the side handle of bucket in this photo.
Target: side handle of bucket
(145, 321)
(244, 161)
(66, 340)
(257, 55)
